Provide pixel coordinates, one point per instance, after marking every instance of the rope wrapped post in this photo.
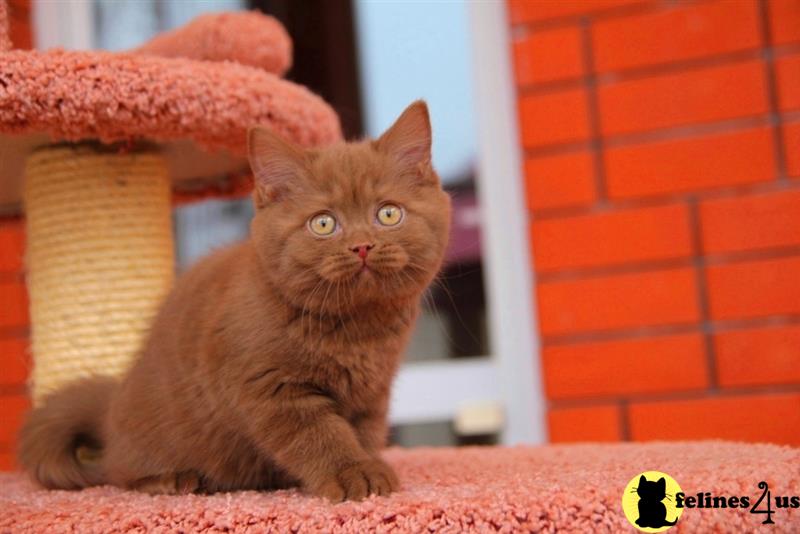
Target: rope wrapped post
(100, 258)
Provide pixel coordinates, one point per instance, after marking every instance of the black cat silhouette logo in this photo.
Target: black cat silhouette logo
(649, 501)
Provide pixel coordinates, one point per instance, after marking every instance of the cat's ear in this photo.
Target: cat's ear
(642, 480)
(276, 164)
(408, 140)
(661, 484)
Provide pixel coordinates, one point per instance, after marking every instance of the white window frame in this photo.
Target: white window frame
(507, 256)
(511, 377)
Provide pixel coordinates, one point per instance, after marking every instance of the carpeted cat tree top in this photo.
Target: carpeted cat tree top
(574, 489)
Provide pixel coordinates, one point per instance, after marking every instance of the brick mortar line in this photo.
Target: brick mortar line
(600, 14)
(12, 276)
(687, 131)
(681, 132)
(623, 334)
(651, 266)
(552, 86)
(770, 77)
(790, 116)
(781, 51)
(588, 273)
(672, 396)
(690, 131)
(651, 331)
(14, 332)
(13, 390)
(556, 149)
(703, 301)
(703, 195)
(744, 256)
(597, 143)
(648, 72)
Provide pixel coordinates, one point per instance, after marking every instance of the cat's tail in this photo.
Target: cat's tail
(669, 523)
(61, 440)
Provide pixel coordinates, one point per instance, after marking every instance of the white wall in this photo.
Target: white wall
(411, 50)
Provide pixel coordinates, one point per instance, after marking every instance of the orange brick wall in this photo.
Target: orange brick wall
(662, 169)
(14, 358)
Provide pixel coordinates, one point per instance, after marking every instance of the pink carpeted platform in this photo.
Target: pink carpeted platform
(191, 93)
(574, 488)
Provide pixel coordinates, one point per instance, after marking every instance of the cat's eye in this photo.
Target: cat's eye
(322, 224)
(390, 214)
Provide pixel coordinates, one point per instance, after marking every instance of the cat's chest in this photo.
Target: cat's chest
(354, 357)
(366, 336)
(360, 376)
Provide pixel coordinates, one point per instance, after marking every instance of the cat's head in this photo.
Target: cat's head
(352, 223)
(652, 490)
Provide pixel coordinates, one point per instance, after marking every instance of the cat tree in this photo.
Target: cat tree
(92, 144)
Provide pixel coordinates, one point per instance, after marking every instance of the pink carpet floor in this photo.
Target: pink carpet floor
(574, 488)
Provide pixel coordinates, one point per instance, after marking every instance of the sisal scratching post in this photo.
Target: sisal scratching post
(100, 258)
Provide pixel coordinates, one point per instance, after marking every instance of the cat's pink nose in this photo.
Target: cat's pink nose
(362, 249)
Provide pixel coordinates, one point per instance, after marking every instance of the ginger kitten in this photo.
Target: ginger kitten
(270, 363)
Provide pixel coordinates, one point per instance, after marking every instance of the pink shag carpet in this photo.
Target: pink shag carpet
(246, 37)
(208, 81)
(567, 488)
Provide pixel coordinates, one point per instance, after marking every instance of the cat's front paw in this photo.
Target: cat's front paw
(353, 483)
(181, 483)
